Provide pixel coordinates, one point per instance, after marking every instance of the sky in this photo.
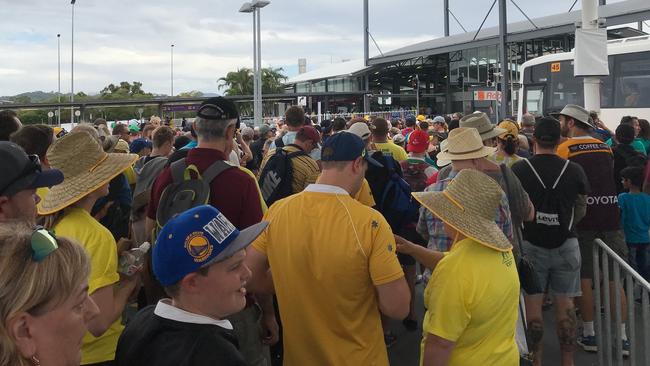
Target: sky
(129, 40)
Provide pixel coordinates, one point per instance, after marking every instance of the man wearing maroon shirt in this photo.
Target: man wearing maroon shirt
(236, 195)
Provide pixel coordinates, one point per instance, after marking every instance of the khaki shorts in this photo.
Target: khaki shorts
(614, 239)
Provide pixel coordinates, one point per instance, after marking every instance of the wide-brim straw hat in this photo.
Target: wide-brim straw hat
(465, 144)
(85, 166)
(482, 123)
(469, 205)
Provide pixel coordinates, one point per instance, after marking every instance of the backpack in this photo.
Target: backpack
(391, 192)
(277, 176)
(146, 174)
(185, 191)
(415, 176)
(549, 225)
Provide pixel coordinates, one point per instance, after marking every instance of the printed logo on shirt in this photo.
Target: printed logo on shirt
(602, 200)
(198, 246)
(548, 219)
(374, 224)
(390, 247)
(506, 258)
(219, 228)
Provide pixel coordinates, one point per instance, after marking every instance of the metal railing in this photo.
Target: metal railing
(633, 281)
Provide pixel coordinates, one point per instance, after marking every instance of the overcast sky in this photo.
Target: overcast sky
(129, 40)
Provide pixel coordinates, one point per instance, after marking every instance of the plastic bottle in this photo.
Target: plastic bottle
(132, 261)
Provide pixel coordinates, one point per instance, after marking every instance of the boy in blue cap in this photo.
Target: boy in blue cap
(199, 259)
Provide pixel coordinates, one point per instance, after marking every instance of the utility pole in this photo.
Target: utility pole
(58, 47)
(503, 53)
(72, 68)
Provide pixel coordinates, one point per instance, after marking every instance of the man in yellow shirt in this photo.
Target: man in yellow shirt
(381, 143)
(473, 294)
(333, 266)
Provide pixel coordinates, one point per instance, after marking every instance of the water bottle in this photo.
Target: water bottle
(132, 261)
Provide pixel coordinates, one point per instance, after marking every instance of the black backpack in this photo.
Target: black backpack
(188, 189)
(277, 176)
(392, 193)
(550, 225)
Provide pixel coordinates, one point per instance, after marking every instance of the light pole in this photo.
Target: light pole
(172, 67)
(72, 68)
(58, 48)
(254, 7)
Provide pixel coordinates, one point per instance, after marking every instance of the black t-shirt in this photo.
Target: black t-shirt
(573, 183)
(152, 340)
(257, 148)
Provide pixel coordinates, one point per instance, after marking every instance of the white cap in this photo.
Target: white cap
(360, 129)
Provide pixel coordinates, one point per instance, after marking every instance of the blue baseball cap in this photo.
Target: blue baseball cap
(138, 144)
(198, 237)
(410, 118)
(346, 146)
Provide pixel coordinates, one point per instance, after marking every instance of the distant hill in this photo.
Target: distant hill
(31, 97)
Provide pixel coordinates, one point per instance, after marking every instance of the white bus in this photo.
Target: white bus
(547, 82)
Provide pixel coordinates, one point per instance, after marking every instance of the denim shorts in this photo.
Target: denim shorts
(557, 268)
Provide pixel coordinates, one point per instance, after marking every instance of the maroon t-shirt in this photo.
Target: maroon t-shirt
(233, 192)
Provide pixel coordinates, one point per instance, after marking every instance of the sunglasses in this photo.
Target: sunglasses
(43, 243)
(33, 166)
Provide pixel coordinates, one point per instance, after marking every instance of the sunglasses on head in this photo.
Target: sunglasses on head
(43, 243)
(33, 166)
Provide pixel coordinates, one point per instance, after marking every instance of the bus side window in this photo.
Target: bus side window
(632, 80)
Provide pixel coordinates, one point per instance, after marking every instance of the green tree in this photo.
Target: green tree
(240, 82)
(190, 94)
(272, 80)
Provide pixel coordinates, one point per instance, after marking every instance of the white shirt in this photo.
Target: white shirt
(325, 188)
(165, 309)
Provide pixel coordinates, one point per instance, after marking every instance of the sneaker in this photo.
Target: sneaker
(390, 339)
(626, 348)
(588, 343)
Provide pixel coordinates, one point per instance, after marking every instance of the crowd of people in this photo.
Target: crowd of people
(295, 243)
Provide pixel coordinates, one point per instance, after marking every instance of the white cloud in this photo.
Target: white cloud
(119, 40)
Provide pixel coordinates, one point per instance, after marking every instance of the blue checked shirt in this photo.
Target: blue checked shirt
(432, 225)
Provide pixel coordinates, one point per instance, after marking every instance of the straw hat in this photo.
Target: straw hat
(481, 122)
(465, 144)
(511, 129)
(469, 204)
(85, 167)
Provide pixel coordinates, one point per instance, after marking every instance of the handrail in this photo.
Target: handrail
(623, 264)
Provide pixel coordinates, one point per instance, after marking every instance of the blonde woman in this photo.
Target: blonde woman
(44, 306)
(87, 170)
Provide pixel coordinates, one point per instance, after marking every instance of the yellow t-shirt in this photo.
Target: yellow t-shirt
(389, 148)
(330, 311)
(131, 177)
(41, 193)
(365, 194)
(472, 300)
(77, 224)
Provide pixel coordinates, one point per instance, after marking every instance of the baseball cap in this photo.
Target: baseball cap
(346, 146)
(418, 141)
(439, 119)
(410, 118)
(547, 129)
(380, 126)
(22, 171)
(420, 117)
(360, 129)
(196, 238)
(218, 108)
(264, 129)
(309, 132)
(138, 144)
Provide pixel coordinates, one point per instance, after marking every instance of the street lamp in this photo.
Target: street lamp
(72, 68)
(58, 47)
(254, 7)
(172, 68)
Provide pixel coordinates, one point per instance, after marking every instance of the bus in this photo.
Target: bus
(547, 83)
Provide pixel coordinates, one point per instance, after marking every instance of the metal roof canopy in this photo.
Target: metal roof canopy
(618, 13)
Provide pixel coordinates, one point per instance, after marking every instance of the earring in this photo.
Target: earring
(36, 361)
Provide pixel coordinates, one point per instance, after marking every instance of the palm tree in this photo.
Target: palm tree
(272, 80)
(238, 82)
